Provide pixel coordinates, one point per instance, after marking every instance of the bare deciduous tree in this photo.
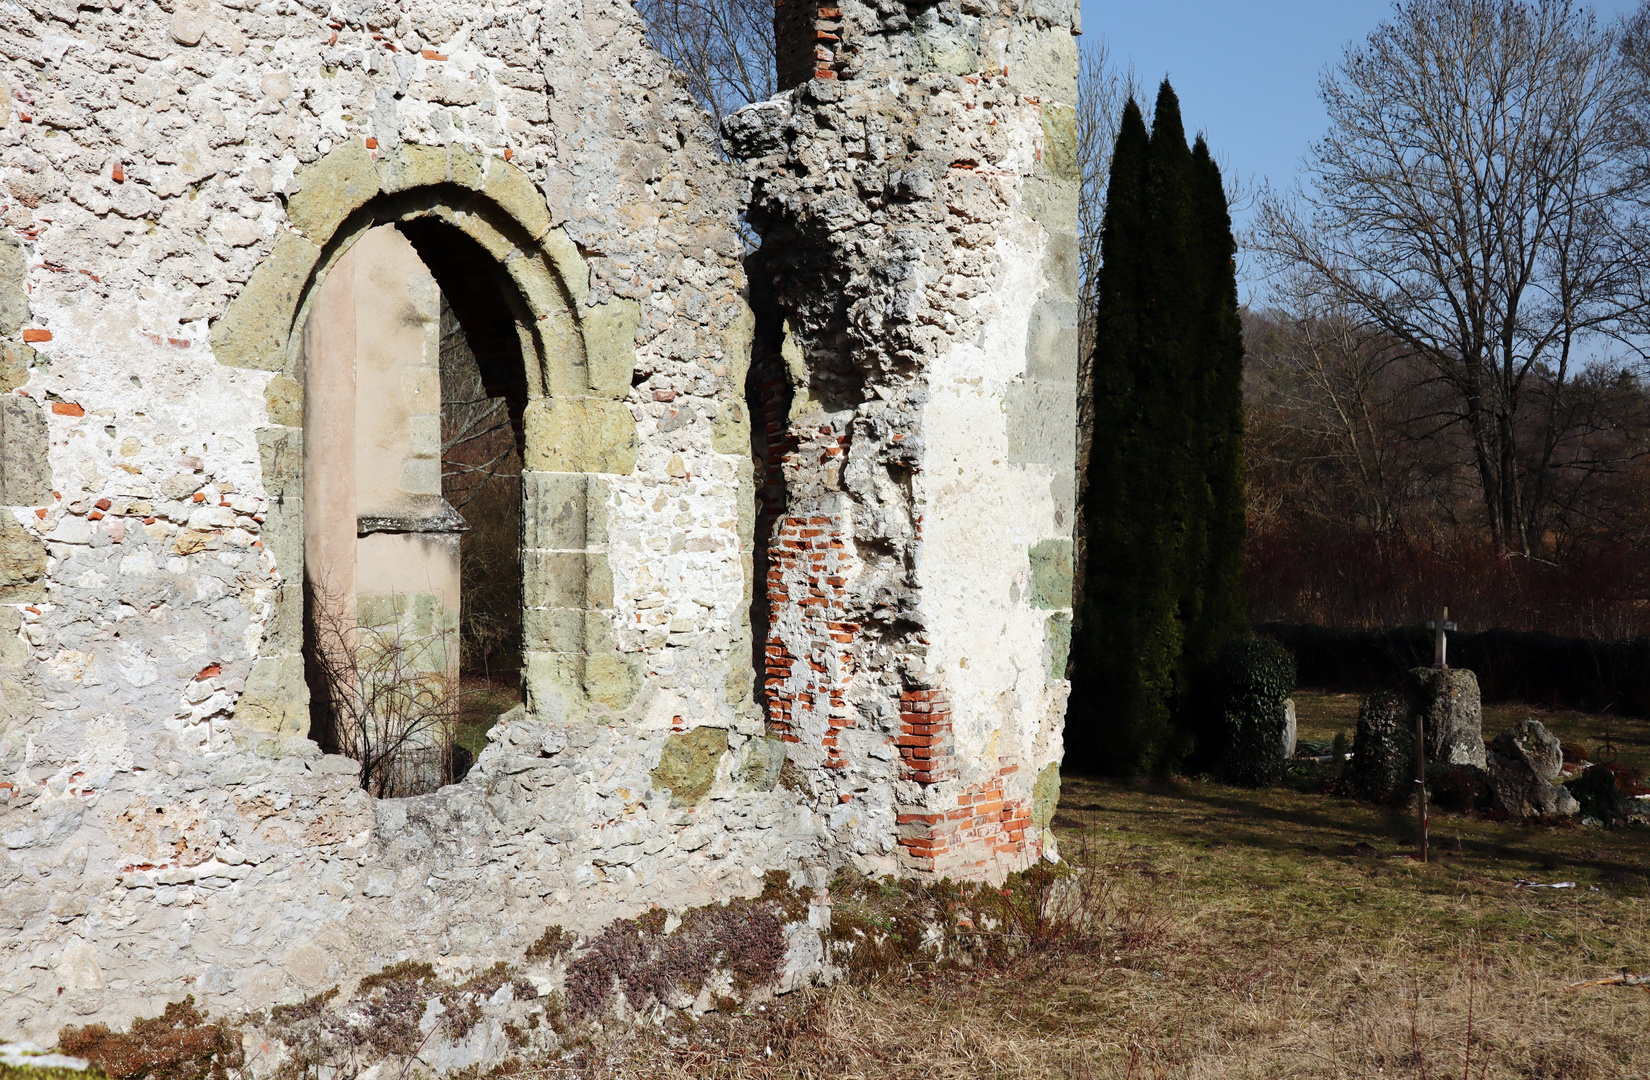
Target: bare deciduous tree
(1101, 92)
(1332, 411)
(1479, 202)
(725, 48)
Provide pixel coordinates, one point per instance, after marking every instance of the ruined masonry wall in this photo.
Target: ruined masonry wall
(917, 196)
(177, 176)
(174, 177)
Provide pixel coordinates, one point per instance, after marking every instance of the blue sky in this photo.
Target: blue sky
(1246, 70)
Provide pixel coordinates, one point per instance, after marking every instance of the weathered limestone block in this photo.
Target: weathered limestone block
(275, 699)
(14, 297)
(610, 346)
(1448, 701)
(1051, 570)
(580, 435)
(1524, 769)
(22, 563)
(25, 468)
(15, 361)
(256, 332)
(611, 679)
(688, 764)
(760, 763)
(340, 184)
(1045, 795)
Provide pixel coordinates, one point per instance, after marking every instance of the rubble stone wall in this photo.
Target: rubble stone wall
(176, 178)
(917, 200)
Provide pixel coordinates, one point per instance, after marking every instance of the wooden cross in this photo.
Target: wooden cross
(1439, 641)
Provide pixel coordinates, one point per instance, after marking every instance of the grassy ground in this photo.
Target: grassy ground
(480, 704)
(1250, 934)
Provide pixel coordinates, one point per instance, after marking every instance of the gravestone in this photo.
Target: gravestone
(1448, 701)
(1524, 768)
(1383, 750)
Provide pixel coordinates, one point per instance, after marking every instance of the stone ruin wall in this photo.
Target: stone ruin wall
(175, 178)
(916, 367)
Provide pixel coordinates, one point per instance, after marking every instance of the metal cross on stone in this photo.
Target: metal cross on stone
(1439, 641)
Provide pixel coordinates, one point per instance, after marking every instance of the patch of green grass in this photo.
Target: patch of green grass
(480, 706)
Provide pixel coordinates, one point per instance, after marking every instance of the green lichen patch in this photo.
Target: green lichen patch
(687, 767)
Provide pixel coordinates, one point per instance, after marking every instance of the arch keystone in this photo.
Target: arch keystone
(412, 166)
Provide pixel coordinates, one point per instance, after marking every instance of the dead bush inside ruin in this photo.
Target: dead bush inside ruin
(180, 1044)
(385, 696)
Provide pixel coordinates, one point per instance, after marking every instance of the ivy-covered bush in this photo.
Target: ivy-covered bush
(1254, 677)
(1383, 752)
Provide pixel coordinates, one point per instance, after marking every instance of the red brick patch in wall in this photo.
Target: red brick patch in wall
(806, 590)
(979, 825)
(925, 736)
(808, 36)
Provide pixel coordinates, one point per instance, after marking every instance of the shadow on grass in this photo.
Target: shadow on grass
(1289, 824)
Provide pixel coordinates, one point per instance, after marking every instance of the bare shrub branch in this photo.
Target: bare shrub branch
(390, 701)
(724, 48)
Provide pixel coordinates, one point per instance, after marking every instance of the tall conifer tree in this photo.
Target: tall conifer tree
(1221, 612)
(1106, 726)
(1158, 599)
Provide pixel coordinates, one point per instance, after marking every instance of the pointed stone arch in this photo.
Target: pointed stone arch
(580, 359)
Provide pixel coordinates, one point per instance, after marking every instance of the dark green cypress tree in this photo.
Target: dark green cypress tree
(1169, 488)
(1166, 458)
(1221, 612)
(1104, 731)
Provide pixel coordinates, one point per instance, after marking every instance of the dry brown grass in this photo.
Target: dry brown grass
(1232, 941)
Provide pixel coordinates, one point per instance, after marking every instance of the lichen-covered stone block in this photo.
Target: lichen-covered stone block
(14, 297)
(275, 698)
(610, 346)
(1449, 704)
(256, 331)
(340, 184)
(572, 434)
(689, 763)
(25, 466)
(22, 563)
(1051, 570)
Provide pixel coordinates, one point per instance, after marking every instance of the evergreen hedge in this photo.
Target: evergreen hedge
(1511, 665)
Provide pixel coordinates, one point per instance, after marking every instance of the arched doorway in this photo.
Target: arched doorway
(414, 393)
(485, 222)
